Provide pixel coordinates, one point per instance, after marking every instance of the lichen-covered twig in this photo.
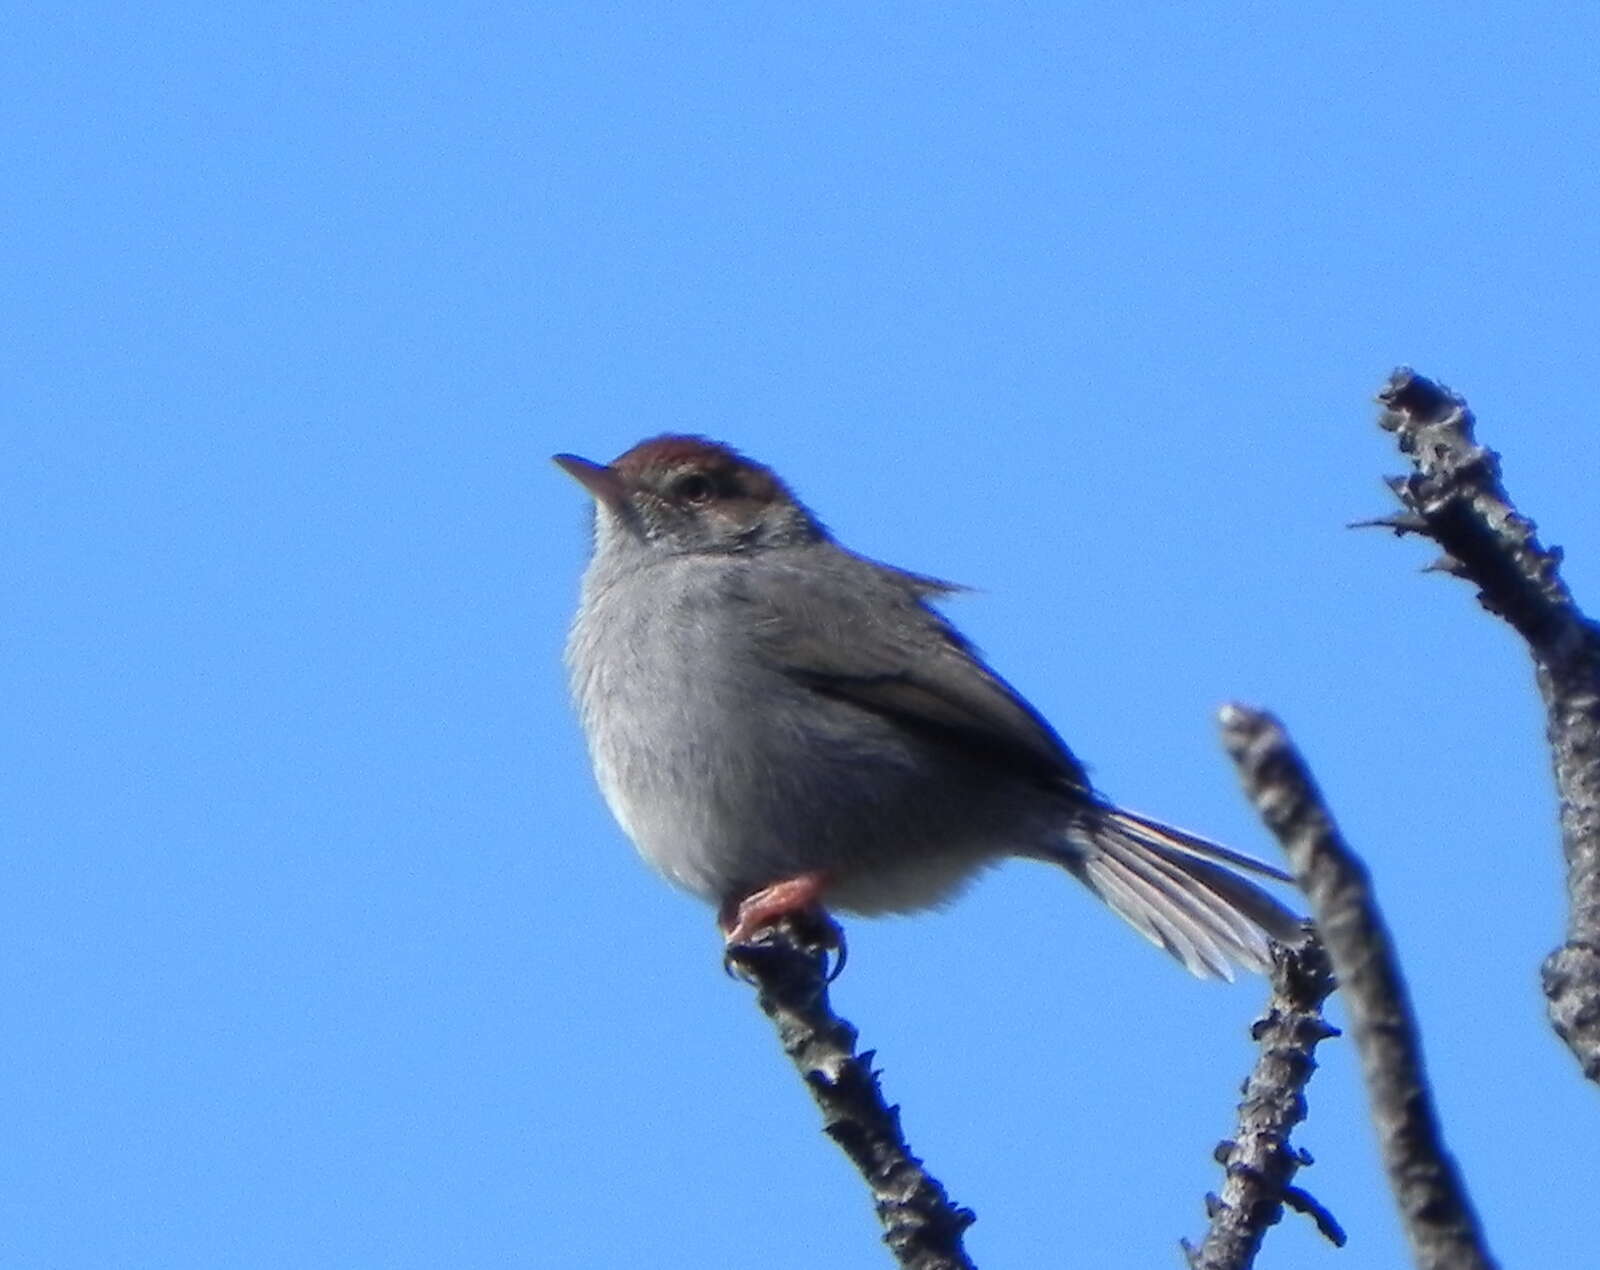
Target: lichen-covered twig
(788, 965)
(1437, 1213)
(1258, 1162)
(1454, 496)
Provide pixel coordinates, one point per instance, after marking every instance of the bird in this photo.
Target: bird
(784, 727)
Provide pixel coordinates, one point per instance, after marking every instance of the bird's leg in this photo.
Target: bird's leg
(740, 919)
(799, 897)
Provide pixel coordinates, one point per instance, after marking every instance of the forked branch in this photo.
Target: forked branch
(1454, 495)
(1438, 1215)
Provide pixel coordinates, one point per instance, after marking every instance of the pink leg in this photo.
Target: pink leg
(742, 919)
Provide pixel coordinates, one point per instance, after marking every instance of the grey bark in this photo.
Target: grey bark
(788, 965)
(1258, 1161)
(1454, 496)
(1439, 1220)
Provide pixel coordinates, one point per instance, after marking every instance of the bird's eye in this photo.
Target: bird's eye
(693, 487)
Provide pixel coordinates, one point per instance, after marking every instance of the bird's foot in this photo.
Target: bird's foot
(798, 898)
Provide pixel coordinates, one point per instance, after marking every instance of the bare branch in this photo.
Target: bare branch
(1455, 497)
(1438, 1215)
(788, 966)
(1259, 1163)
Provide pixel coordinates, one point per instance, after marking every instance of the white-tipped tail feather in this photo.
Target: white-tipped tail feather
(1180, 893)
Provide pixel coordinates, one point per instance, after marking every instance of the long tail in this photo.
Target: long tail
(1180, 891)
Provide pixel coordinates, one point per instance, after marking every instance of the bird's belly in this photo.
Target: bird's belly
(725, 797)
(729, 775)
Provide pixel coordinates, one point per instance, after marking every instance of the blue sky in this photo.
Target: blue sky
(319, 946)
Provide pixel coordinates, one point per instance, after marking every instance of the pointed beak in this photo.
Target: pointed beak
(601, 481)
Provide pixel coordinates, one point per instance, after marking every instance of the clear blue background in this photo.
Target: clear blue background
(319, 946)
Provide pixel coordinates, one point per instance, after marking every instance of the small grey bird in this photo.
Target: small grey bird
(781, 724)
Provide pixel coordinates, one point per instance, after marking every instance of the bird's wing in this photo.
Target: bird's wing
(862, 632)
